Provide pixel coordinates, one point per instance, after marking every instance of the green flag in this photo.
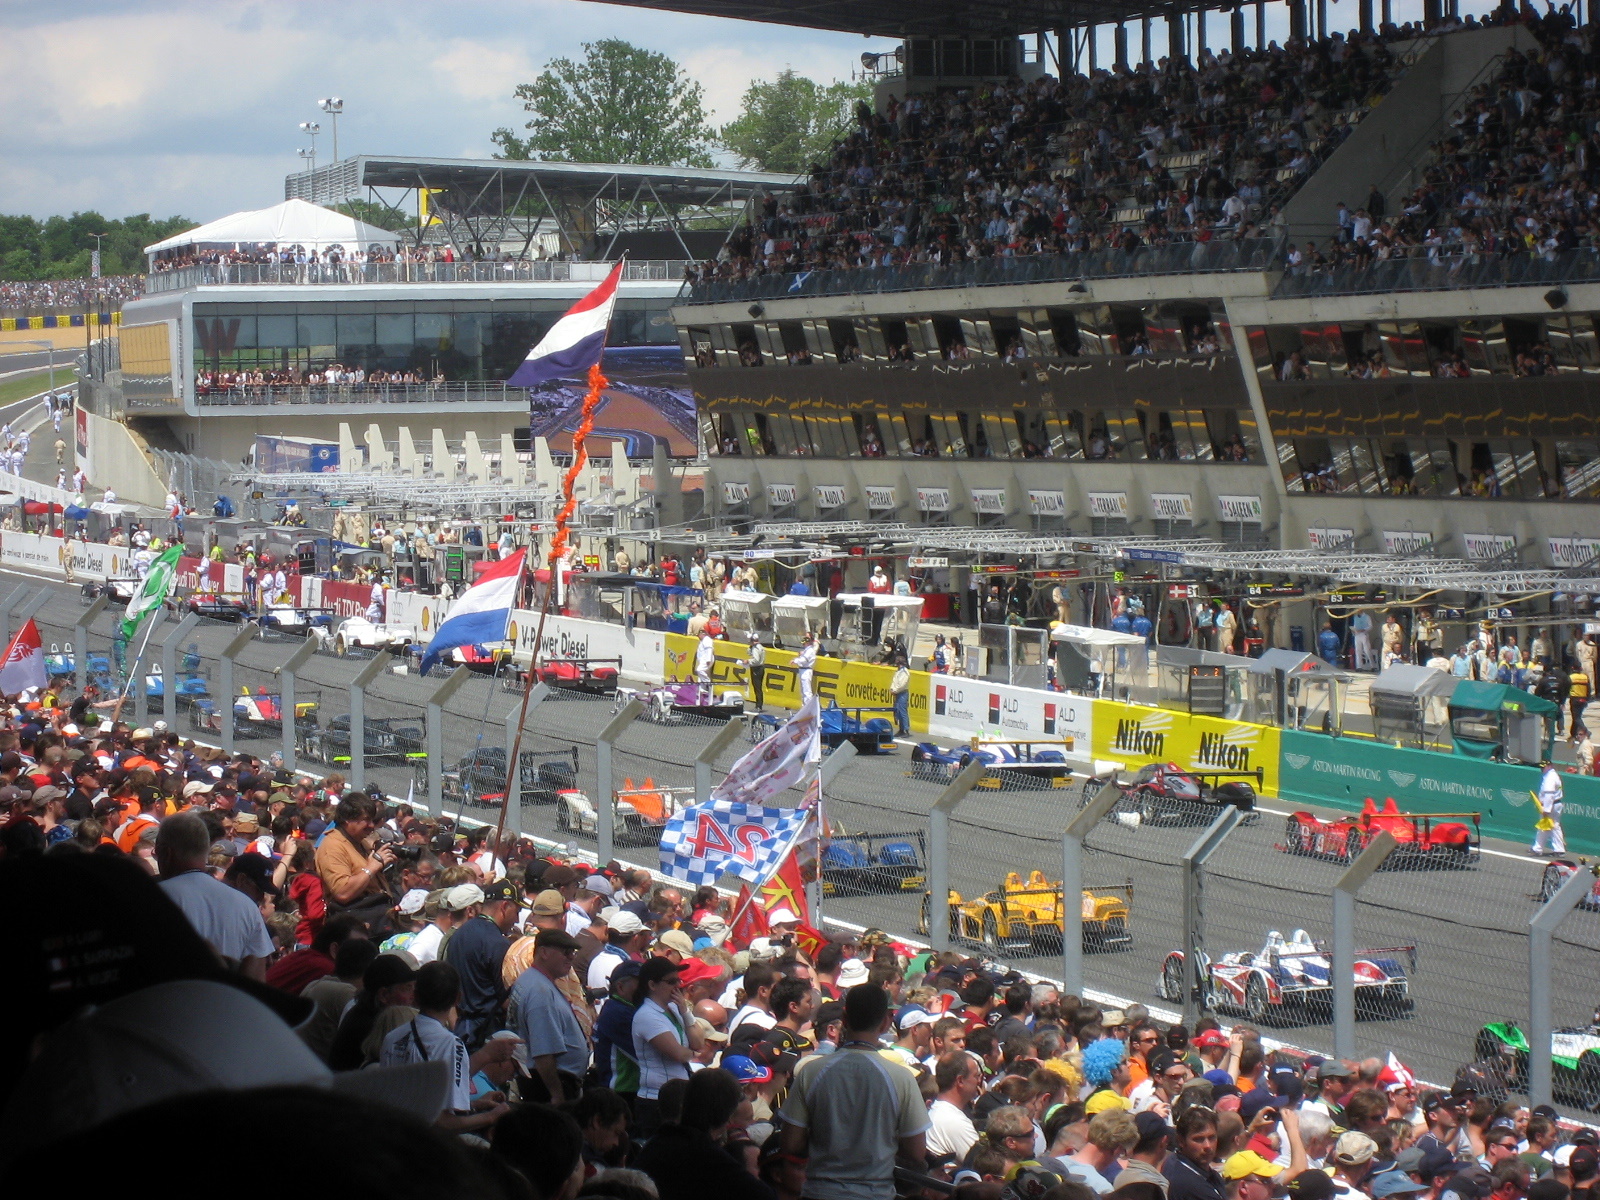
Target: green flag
(153, 592)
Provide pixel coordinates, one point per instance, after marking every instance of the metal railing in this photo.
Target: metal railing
(485, 391)
(1425, 269)
(349, 273)
(1176, 258)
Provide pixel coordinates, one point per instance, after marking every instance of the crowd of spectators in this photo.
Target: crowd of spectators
(335, 376)
(1516, 175)
(501, 1022)
(1146, 155)
(59, 295)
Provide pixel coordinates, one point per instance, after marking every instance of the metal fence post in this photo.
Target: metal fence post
(80, 645)
(705, 762)
(32, 607)
(435, 726)
(14, 599)
(541, 692)
(1541, 926)
(358, 717)
(1072, 839)
(939, 851)
(1342, 962)
(225, 722)
(605, 802)
(141, 693)
(827, 771)
(289, 674)
(169, 665)
(1194, 863)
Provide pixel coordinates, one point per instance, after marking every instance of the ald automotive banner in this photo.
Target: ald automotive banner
(1344, 772)
(1137, 735)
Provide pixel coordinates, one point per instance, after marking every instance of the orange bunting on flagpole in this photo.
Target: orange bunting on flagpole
(580, 455)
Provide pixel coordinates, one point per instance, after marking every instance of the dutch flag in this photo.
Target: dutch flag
(575, 342)
(482, 613)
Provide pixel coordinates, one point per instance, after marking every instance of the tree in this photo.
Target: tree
(788, 123)
(59, 247)
(619, 104)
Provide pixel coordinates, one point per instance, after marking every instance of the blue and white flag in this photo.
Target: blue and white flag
(575, 342)
(704, 842)
(481, 613)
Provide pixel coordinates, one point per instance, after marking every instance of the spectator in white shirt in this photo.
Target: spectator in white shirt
(959, 1079)
(429, 1036)
(228, 920)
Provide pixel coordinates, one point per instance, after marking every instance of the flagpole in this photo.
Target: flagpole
(133, 673)
(512, 772)
(755, 890)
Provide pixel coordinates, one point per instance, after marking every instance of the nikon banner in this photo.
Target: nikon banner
(1342, 772)
(1136, 735)
(851, 685)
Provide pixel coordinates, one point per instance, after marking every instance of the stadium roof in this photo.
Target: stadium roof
(897, 18)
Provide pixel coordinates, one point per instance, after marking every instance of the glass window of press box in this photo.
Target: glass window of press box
(467, 340)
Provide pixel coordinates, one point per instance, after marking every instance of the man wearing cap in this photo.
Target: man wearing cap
(428, 1037)
(614, 1062)
(626, 938)
(1335, 1082)
(476, 950)
(1143, 1163)
(1248, 1176)
(557, 1049)
(1168, 1074)
(452, 906)
(674, 945)
(1352, 1164)
(1442, 1112)
(914, 1030)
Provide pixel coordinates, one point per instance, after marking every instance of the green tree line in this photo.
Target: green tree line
(59, 247)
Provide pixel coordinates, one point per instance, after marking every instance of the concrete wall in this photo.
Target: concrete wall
(1390, 147)
(117, 461)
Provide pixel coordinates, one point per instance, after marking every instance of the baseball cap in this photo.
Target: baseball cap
(657, 969)
(46, 794)
(1252, 1102)
(1218, 1078)
(1211, 1038)
(549, 903)
(827, 1013)
(1313, 1184)
(1333, 1069)
(559, 938)
(246, 822)
(694, 970)
(762, 950)
(782, 916)
(1584, 1163)
(912, 1015)
(745, 1069)
(183, 1037)
(412, 901)
(1113, 1017)
(599, 885)
(255, 867)
(560, 876)
(852, 972)
(1395, 1183)
(1247, 1162)
(502, 890)
(1471, 1184)
(620, 921)
(714, 928)
(196, 788)
(463, 896)
(676, 939)
(1354, 1148)
(1151, 1125)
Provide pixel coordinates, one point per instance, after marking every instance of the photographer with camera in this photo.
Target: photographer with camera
(352, 865)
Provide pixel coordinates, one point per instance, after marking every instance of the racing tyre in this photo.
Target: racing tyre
(1172, 979)
(1293, 839)
(1589, 1080)
(1354, 843)
(1256, 1006)
(563, 818)
(991, 933)
(1150, 807)
(1549, 881)
(340, 646)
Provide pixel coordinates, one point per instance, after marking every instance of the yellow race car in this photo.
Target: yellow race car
(1028, 916)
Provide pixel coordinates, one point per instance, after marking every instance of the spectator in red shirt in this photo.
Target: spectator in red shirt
(293, 972)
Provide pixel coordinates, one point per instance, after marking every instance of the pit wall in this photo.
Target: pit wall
(1298, 767)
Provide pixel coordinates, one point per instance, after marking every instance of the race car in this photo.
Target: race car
(1166, 794)
(1423, 839)
(293, 621)
(386, 740)
(480, 777)
(589, 676)
(639, 814)
(218, 606)
(675, 701)
(120, 590)
(1012, 762)
(1288, 980)
(190, 688)
(358, 634)
(1027, 916)
(1553, 874)
(872, 863)
(1574, 1060)
(481, 658)
(872, 735)
(61, 661)
(255, 714)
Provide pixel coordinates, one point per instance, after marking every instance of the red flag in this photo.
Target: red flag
(809, 941)
(750, 921)
(786, 889)
(23, 665)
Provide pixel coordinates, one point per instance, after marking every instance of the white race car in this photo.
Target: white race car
(358, 633)
(638, 815)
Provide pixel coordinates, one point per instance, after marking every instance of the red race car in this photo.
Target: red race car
(1425, 839)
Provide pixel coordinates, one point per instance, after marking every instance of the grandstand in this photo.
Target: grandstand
(1333, 292)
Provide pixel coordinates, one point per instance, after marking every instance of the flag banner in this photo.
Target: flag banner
(481, 613)
(704, 842)
(777, 762)
(575, 342)
(153, 592)
(23, 665)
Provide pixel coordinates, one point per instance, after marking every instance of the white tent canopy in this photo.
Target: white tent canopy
(292, 223)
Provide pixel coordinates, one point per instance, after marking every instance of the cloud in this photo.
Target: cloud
(178, 106)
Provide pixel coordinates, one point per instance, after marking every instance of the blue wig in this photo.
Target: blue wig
(1101, 1058)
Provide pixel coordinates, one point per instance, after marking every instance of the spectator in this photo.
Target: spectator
(476, 950)
(429, 1037)
(664, 1039)
(556, 1047)
(1190, 1175)
(959, 1079)
(224, 916)
(352, 869)
(687, 1160)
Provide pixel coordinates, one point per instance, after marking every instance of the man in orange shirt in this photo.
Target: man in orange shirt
(143, 814)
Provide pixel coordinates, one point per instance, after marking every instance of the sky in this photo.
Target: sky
(178, 108)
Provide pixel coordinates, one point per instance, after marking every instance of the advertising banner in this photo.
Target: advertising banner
(734, 492)
(1046, 503)
(879, 499)
(782, 495)
(1137, 735)
(932, 499)
(1342, 772)
(1483, 546)
(848, 684)
(642, 651)
(1325, 538)
(1108, 505)
(989, 500)
(962, 707)
(1406, 541)
(1172, 506)
(1244, 509)
(828, 495)
(1572, 551)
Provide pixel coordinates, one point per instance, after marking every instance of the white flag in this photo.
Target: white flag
(777, 762)
(23, 666)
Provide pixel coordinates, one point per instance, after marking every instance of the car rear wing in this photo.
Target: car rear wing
(1259, 775)
(1408, 952)
(1053, 888)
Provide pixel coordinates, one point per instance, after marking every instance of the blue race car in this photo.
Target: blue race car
(1011, 762)
(872, 863)
(872, 735)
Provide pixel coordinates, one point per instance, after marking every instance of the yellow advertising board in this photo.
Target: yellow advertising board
(1137, 735)
(849, 684)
